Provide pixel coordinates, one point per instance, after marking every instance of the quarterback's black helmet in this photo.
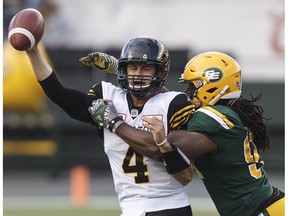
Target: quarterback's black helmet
(145, 50)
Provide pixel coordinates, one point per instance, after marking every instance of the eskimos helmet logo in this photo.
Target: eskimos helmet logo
(213, 74)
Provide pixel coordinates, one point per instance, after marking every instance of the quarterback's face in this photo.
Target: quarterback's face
(140, 74)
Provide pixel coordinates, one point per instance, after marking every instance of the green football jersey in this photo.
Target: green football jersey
(234, 176)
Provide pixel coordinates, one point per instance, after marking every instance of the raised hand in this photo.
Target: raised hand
(101, 61)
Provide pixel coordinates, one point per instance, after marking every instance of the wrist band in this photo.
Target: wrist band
(116, 125)
(175, 161)
(160, 144)
(112, 124)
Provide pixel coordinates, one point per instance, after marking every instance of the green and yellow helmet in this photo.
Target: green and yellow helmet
(212, 76)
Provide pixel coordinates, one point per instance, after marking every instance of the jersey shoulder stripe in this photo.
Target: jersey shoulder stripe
(217, 116)
(181, 117)
(91, 92)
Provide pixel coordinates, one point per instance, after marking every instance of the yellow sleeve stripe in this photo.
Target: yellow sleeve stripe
(181, 117)
(91, 92)
(181, 112)
(220, 118)
(177, 125)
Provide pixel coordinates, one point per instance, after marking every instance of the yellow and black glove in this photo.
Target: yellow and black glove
(101, 61)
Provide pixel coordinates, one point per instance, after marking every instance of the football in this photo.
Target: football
(26, 29)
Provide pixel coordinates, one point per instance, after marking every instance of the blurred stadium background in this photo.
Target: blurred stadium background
(43, 148)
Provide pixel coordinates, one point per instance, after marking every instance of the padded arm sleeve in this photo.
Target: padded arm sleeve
(73, 102)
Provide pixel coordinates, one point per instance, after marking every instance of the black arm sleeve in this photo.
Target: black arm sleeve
(73, 102)
(179, 112)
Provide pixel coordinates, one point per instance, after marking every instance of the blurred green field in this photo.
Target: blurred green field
(96, 206)
(62, 212)
(77, 212)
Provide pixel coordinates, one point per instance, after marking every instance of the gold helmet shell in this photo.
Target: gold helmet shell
(212, 76)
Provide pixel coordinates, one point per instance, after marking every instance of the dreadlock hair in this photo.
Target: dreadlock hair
(252, 117)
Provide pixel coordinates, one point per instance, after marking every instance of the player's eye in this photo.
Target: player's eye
(132, 67)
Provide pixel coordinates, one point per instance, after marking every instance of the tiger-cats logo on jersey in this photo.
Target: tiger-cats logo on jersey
(213, 74)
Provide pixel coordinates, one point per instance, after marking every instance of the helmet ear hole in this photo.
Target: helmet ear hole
(211, 90)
